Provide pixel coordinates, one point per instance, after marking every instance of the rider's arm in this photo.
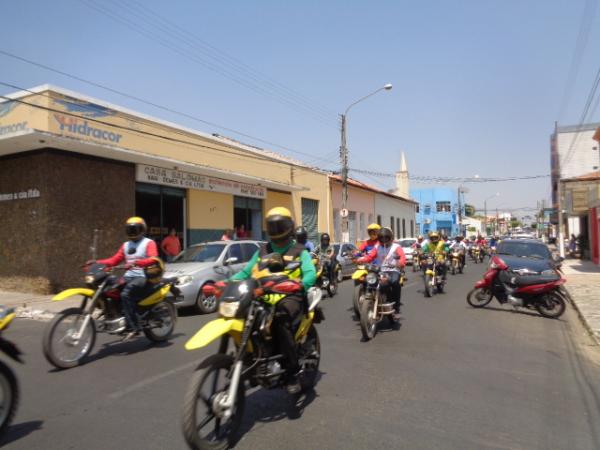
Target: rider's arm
(151, 250)
(309, 274)
(246, 272)
(115, 259)
(401, 256)
(369, 257)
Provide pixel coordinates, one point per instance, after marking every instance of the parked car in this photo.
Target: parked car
(204, 263)
(406, 245)
(344, 258)
(529, 254)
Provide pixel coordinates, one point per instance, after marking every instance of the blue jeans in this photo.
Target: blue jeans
(135, 290)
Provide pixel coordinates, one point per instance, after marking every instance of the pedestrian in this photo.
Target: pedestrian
(241, 232)
(572, 245)
(227, 235)
(170, 245)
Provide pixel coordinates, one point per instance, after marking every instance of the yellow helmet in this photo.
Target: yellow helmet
(135, 227)
(434, 236)
(154, 271)
(373, 227)
(280, 224)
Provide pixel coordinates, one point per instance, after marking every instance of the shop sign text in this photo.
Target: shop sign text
(22, 195)
(83, 128)
(187, 180)
(12, 127)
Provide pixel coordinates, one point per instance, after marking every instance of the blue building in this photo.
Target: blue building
(438, 210)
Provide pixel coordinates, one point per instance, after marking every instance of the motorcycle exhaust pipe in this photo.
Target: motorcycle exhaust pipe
(514, 301)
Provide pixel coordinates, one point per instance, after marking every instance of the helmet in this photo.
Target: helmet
(325, 238)
(459, 238)
(301, 235)
(135, 228)
(385, 235)
(154, 271)
(280, 224)
(434, 236)
(420, 237)
(374, 227)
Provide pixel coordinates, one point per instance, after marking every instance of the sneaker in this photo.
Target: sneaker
(293, 387)
(397, 316)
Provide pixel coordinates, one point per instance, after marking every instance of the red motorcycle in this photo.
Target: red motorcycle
(520, 288)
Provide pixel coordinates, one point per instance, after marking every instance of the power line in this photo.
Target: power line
(439, 179)
(155, 105)
(177, 48)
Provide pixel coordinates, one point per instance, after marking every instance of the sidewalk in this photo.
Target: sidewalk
(583, 283)
(34, 306)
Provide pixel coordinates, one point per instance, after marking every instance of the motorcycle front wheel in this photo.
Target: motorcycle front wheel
(479, 297)
(332, 287)
(60, 346)
(552, 306)
(161, 322)
(9, 396)
(358, 291)
(368, 321)
(204, 426)
(428, 288)
(310, 357)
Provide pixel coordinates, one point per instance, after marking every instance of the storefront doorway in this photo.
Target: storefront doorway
(248, 217)
(162, 208)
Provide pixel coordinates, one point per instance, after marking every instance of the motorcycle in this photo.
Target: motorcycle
(9, 387)
(475, 251)
(216, 392)
(327, 278)
(373, 301)
(433, 279)
(417, 260)
(456, 263)
(70, 336)
(520, 288)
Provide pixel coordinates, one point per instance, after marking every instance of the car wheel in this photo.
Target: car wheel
(206, 305)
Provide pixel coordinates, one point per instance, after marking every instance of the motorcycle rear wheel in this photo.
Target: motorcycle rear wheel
(552, 307)
(66, 359)
(479, 297)
(9, 396)
(198, 406)
(368, 322)
(168, 315)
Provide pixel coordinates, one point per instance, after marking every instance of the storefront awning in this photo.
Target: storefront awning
(28, 140)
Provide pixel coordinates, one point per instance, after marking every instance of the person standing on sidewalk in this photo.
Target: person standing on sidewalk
(170, 245)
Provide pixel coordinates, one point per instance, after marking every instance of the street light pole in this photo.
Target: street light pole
(485, 209)
(344, 163)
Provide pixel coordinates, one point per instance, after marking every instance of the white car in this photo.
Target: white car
(406, 245)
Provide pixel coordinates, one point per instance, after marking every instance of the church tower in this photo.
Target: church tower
(402, 188)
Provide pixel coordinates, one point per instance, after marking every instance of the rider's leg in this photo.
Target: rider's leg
(130, 295)
(286, 311)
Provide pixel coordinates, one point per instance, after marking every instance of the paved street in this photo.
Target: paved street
(450, 377)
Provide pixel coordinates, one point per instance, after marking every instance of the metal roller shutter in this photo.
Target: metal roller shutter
(310, 218)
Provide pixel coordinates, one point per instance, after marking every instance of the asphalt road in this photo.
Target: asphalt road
(452, 377)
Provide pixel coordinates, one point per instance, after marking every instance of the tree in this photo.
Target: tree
(469, 210)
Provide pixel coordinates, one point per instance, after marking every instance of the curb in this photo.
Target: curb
(582, 318)
(41, 315)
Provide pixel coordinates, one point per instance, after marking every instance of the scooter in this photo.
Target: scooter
(520, 288)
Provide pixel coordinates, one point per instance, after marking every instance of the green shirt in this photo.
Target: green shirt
(309, 274)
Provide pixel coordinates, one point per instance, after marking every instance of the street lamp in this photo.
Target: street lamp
(497, 194)
(344, 163)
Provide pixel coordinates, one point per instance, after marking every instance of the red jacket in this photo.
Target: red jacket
(119, 257)
(372, 255)
(369, 243)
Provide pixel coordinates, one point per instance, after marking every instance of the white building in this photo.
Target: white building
(473, 226)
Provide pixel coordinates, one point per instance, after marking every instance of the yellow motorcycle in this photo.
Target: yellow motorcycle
(362, 285)
(70, 336)
(9, 387)
(214, 402)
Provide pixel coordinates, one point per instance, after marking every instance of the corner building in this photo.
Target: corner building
(73, 168)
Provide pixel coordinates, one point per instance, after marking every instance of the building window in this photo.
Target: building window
(398, 227)
(378, 220)
(412, 228)
(443, 207)
(404, 228)
(362, 229)
(418, 208)
(427, 210)
(392, 225)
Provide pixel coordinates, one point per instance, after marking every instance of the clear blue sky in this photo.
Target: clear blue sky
(477, 84)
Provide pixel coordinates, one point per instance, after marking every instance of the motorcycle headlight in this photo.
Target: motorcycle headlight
(89, 279)
(372, 278)
(228, 309)
(184, 280)
(429, 260)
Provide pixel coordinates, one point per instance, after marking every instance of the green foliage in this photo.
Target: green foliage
(469, 210)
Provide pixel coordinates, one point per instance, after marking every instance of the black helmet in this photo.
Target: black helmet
(325, 239)
(301, 235)
(154, 271)
(280, 224)
(135, 228)
(385, 235)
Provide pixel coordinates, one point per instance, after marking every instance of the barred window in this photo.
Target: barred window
(443, 206)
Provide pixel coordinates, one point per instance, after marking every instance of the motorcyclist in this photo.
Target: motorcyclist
(418, 243)
(437, 248)
(368, 245)
(302, 238)
(327, 253)
(390, 257)
(280, 230)
(459, 245)
(138, 252)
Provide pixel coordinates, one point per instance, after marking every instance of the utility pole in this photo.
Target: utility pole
(344, 163)
(496, 227)
(459, 213)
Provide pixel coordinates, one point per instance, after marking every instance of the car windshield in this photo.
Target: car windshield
(201, 253)
(407, 242)
(524, 250)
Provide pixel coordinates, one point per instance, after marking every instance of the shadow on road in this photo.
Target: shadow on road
(265, 406)
(20, 430)
(514, 311)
